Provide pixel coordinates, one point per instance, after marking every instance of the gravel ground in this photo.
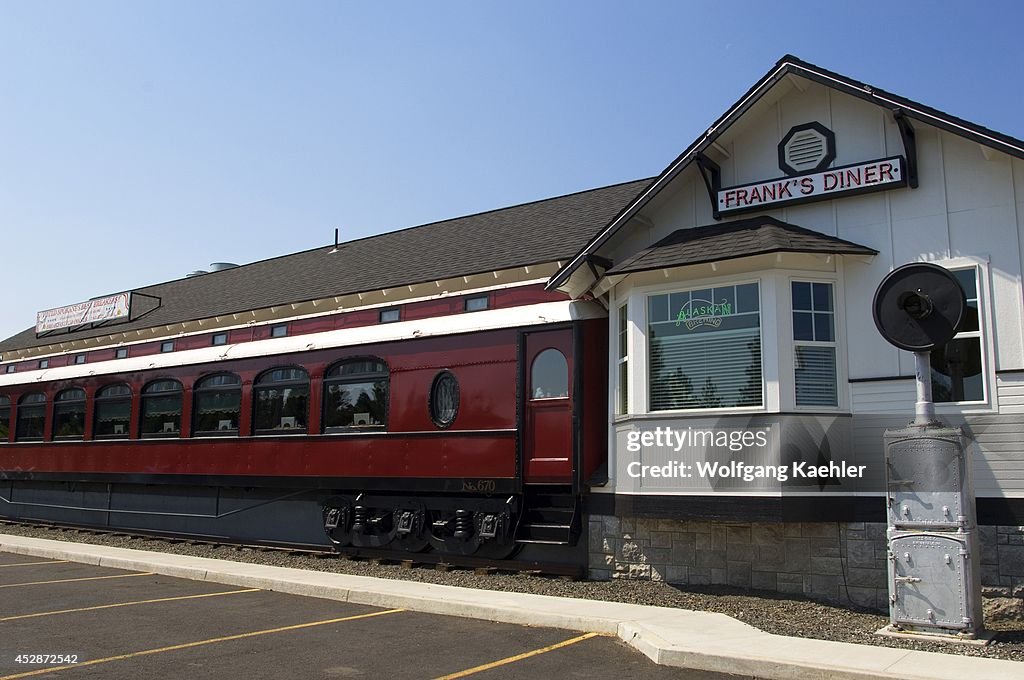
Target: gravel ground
(773, 613)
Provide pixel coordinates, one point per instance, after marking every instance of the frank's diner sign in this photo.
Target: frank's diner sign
(885, 173)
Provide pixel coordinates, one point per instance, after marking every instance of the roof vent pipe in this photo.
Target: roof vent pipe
(221, 266)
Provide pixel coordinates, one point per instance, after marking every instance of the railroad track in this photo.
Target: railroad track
(442, 562)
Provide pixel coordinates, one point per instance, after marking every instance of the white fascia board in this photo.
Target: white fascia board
(469, 322)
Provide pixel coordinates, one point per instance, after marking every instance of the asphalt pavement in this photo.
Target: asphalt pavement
(64, 619)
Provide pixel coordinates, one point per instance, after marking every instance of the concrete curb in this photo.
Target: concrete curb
(672, 637)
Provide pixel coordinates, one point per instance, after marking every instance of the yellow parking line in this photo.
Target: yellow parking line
(125, 604)
(199, 643)
(31, 564)
(73, 580)
(512, 659)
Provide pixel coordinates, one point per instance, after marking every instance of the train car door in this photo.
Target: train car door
(548, 440)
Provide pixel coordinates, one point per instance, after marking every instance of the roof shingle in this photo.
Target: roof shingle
(742, 238)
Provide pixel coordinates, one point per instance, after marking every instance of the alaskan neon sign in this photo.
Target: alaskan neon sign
(703, 313)
(877, 175)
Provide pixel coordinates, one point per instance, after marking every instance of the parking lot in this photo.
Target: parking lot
(63, 619)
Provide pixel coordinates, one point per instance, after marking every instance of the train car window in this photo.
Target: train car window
(69, 414)
(31, 417)
(44, 363)
(356, 395)
(121, 353)
(219, 339)
(279, 331)
(390, 315)
(217, 405)
(11, 368)
(5, 419)
(79, 358)
(444, 399)
(161, 409)
(281, 401)
(477, 303)
(113, 412)
(549, 377)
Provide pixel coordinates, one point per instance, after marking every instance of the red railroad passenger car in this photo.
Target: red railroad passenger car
(464, 415)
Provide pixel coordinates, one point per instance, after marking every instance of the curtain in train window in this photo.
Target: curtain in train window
(113, 412)
(704, 348)
(217, 405)
(161, 409)
(281, 401)
(69, 414)
(5, 419)
(356, 395)
(31, 417)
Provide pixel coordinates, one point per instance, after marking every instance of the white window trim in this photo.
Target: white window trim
(788, 362)
(638, 369)
(617, 360)
(990, 403)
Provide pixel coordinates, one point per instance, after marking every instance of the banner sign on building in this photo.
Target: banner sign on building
(877, 175)
(92, 311)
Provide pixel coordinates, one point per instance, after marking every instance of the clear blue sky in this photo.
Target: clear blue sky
(141, 140)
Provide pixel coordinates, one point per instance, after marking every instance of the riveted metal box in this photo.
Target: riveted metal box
(927, 479)
(934, 583)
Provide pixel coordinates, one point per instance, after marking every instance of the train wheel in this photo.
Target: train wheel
(411, 527)
(337, 515)
(468, 532)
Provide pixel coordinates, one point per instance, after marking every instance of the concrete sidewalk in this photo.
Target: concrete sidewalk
(673, 637)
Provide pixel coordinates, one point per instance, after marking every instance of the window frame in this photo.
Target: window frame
(215, 336)
(767, 327)
(279, 330)
(531, 376)
(985, 340)
(43, 363)
(166, 346)
(79, 359)
(836, 343)
(6, 405)
(356, 379)
(41, 404)
(142, 408)
(120, 352)
(198, 389)
(100, 400)
(621, 359)
(397, 311)
(438, 377)
(476, 298)
(257, 387)
(63, 405)
(11, 368)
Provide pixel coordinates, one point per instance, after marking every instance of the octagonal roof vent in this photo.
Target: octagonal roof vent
(807, 148)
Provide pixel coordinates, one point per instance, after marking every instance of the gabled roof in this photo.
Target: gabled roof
(790, 65)
(731, 240)
(532, 233)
